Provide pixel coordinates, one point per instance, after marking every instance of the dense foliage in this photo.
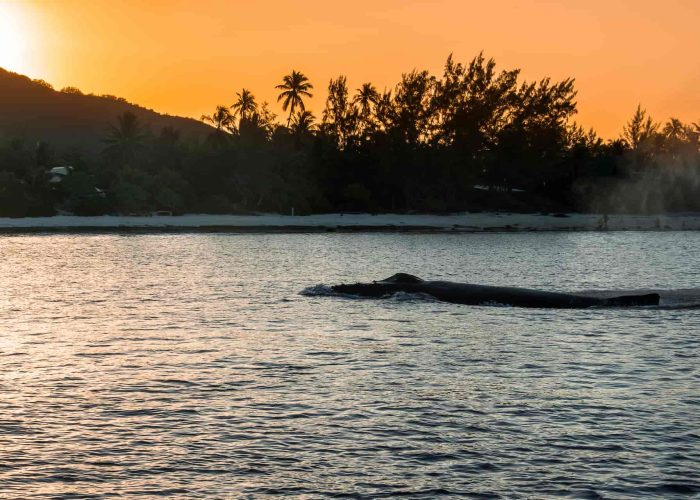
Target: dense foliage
(474, 138)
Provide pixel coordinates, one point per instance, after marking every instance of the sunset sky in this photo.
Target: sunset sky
(185, 57)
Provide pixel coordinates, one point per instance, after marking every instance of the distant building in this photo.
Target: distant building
(500, 189)
(56, 174)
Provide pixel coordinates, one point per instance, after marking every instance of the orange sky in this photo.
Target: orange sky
(185, 57)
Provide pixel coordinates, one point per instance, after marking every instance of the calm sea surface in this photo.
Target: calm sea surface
(191, 365)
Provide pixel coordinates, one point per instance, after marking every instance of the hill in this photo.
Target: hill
(32, 110)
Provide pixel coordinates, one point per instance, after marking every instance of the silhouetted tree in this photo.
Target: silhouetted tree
(303, 123)
(43, 83)
(473, 104)
(639, 129)
(71, 90)
(125, 138)
(366, 98)
(245, 105)
(221, 118)
(340, 115)
(294, 87)
(258, 126)
(411, 111)
(474, 137)
(674, 130)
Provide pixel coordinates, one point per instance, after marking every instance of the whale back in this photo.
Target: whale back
(402, 278)
(470, 294)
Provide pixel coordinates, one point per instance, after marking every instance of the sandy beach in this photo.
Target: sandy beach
(466, 222)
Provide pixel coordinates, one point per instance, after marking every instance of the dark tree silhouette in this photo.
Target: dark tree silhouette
(412, 112)
(245, 104)
(303, 123)
(125, 138)
(221, 118)
(675, 130)
(340, 116)
(366, 97)
(366, 100)
(639, 129)
(294, 87)
(474, 137)
(71, 90)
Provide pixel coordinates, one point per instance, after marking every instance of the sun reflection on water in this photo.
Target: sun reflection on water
(188, 365)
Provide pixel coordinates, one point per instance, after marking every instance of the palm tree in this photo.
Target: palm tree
(221, 118)
(245, 105)
(674, 130)
(303, 123)
(126, 137)
(366, 96)
(294, 88)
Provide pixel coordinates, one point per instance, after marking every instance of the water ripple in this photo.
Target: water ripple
(188, 366)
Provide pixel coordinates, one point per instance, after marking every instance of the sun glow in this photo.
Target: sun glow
(15, 50)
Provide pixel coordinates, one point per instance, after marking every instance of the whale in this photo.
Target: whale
(470, 294)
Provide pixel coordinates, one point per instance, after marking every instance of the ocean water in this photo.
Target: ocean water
(193, 366)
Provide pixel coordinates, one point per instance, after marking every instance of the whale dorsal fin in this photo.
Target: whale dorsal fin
(402, 278)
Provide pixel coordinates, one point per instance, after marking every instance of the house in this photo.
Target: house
(56, 174)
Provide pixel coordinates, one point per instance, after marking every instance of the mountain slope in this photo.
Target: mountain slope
(33, 111)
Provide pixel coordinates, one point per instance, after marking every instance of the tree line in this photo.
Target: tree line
(473, 138)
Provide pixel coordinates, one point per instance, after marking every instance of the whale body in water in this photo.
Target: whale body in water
(465, 293)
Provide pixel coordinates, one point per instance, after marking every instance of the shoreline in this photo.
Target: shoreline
(486, 222)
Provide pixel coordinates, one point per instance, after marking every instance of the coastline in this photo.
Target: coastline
(274, 223)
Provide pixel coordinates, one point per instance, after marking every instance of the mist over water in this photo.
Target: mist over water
(191, 366)
(655, 191)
